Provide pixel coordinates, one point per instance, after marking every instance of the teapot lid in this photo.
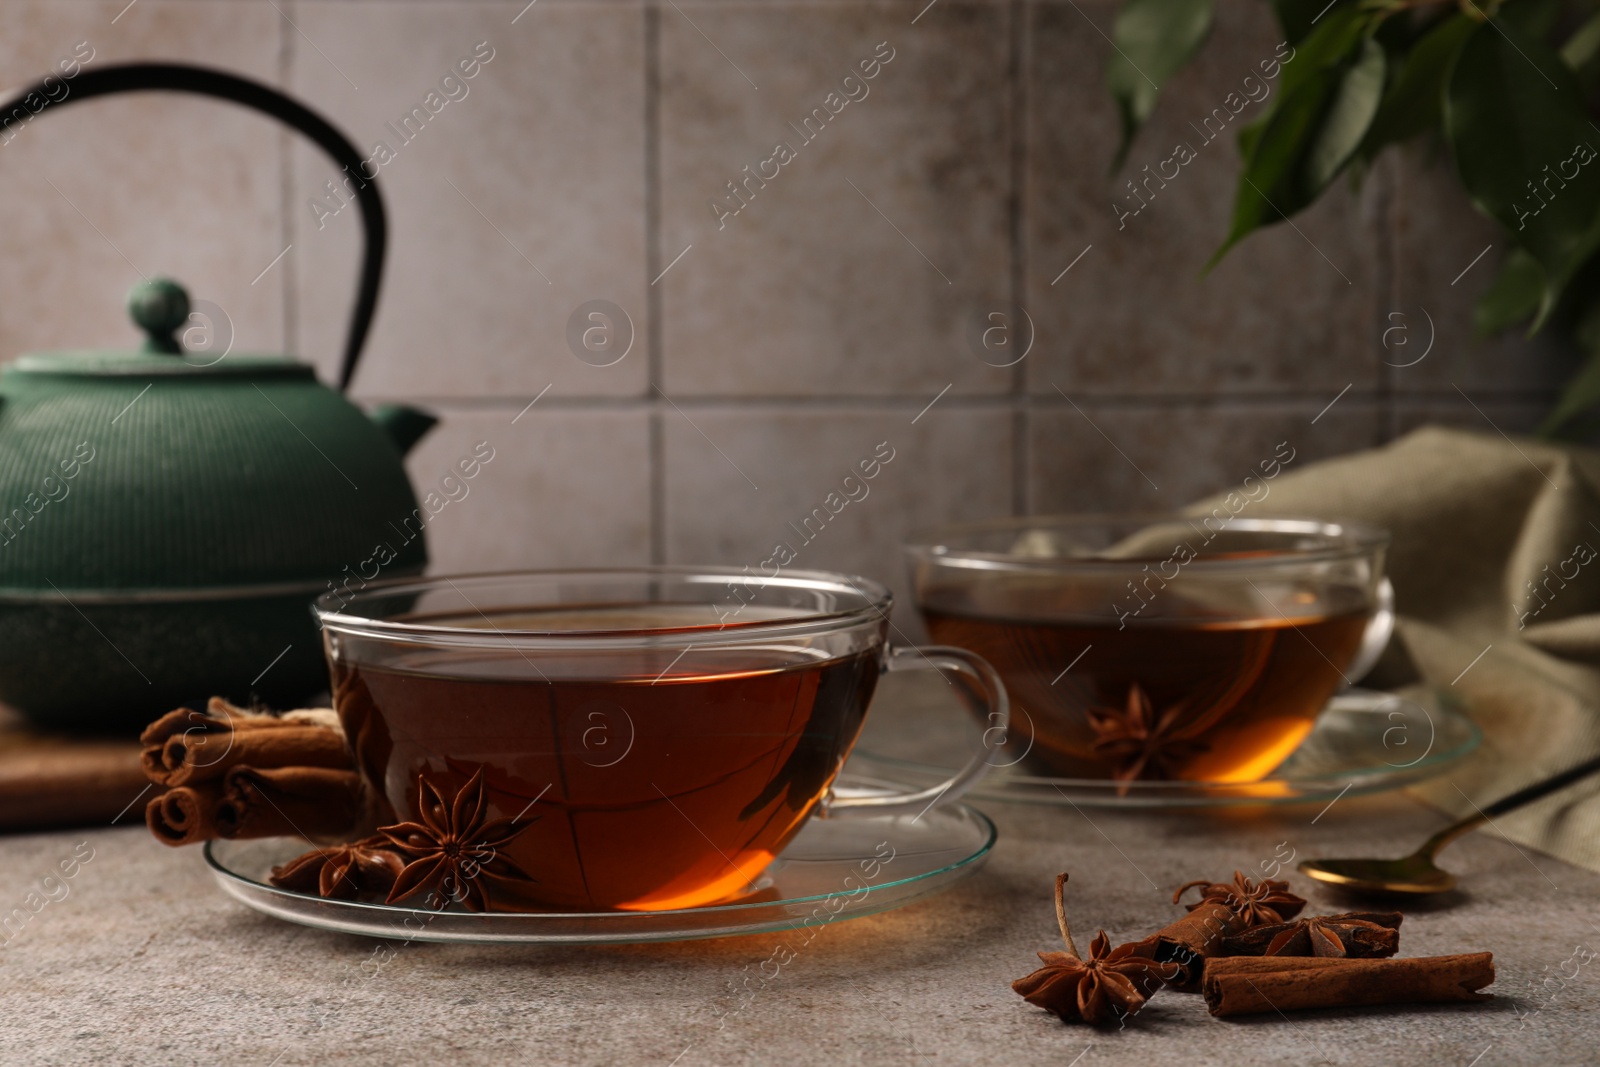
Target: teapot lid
(160, 307)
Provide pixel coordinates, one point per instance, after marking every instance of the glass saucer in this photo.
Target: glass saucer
(1364, 742)
(835, 869)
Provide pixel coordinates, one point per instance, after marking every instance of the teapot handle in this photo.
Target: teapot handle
(181, 77)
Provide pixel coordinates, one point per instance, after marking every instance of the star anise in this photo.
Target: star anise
(1354, 935)
(453, 851)
(1255, 904)
(1137, 742)
(343, 871)
(1112, 983)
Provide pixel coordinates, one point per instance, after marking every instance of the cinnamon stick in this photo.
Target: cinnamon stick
(312, 802)
(235, 773)
(185, 762)
(185, 747)
(1250, 985)
(219, 715)
(184, 816)
(1182, 947)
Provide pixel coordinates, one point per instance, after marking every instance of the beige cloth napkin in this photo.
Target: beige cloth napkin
(1496, 551)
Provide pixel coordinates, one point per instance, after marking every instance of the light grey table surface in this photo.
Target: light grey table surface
(145, 961)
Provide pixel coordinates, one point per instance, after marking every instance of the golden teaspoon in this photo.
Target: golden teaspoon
(1417, 873)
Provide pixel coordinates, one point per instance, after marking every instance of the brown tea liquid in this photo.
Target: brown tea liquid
(643, 784)
(1237, 695)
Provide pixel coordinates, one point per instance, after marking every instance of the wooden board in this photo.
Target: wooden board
(56, 780)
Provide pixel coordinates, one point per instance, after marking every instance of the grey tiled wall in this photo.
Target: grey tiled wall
(775, 349)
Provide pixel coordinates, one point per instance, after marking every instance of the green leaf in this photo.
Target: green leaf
(1513, 297)
(1415, 99)
(1248, 135)
(1153, 40)
(1579, 395)
(1267, 188)
(1296, 16)
(1516, 122)
(1335, 38)
(1586, 331)
(1582, 393)
(1346, 121)
(1533, 18)
(1333, 42)
(1307, 140)
(1582, 47)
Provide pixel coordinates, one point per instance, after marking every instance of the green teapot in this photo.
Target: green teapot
(166, 519)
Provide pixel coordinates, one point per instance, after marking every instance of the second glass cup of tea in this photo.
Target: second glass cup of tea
(1173, 646)
(639, 739)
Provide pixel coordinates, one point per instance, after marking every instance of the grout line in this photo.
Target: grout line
(652, 190)
(1016, 155)
(1017, 131)
(655, 299)
(658, 488)
(1020, 461)
(516, 401)
(510, 6)
(1308, 403)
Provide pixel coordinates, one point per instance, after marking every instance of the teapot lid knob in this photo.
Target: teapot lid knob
(159, 306)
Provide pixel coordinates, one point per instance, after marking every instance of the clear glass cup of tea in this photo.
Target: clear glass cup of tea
(1173, 646)
(637, 739)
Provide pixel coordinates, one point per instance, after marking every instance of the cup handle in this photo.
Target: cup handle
(998, 716)
(1379, 629)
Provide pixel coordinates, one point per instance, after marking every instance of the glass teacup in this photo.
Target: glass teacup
(1160, 646)
(640, 739)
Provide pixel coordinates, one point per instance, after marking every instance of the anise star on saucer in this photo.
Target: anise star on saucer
(1139, 743)
(453, 851)
(344, 871)
(1112, 983)
(1255, 904)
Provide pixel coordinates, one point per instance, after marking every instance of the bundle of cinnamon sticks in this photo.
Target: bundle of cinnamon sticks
(1243, 949)
(235, 773)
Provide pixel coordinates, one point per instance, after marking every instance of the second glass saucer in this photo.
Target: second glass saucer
(1364, 742)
